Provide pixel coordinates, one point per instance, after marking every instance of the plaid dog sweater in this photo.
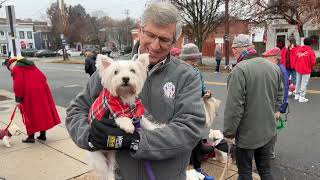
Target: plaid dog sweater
(100, 107)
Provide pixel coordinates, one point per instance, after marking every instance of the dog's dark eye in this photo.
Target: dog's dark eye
(132, 70)
(115, 72)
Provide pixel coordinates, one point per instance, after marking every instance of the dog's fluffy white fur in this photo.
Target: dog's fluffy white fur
(220, 155)
(14, 131)
(112, 75)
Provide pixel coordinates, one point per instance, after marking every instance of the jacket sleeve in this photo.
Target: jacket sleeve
(18, 84)
(313, 59)
(183, 132)
(280, 93)
(77, 113)
(235, 103)
(203, 86)
(87, 65)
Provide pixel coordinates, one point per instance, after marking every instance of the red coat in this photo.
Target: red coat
(306, 59)
(30, 86)
(293, 56)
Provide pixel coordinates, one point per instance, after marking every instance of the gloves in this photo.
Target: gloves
(106, 135)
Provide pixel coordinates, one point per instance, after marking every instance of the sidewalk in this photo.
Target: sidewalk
(58, 158)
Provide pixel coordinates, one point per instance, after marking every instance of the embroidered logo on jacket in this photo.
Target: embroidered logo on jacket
(169, 90)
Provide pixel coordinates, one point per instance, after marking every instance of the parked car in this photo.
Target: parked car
(70, 52)
(92, 48)
(73, 52)
(28, 52)
(45, 53)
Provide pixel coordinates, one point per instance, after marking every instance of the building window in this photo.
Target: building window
(281, 30)
(1, 33)
(314, 35)
(44, 37)
(21, 34)
(31, 45)
(29, 35)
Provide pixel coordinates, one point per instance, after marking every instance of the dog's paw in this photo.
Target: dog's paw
(6, 141)
(125, 124)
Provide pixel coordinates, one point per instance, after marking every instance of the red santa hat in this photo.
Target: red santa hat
(175, 51)
(272, 52)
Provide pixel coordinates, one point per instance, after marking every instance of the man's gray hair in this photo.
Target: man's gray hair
(163, 13)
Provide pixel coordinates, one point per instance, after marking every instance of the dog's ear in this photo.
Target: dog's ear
(103, 62)
(143, 59)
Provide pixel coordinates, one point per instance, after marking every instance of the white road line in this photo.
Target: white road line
(61, 69)
(72, 85)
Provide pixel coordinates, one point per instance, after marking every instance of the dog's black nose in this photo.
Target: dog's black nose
(125, 79)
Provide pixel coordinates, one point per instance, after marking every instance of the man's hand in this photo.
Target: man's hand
(277, 115)
(106, 135)
(230, 141)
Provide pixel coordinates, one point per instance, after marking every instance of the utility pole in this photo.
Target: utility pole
(126, 12)
(12, 21)
(64, 26)
(226, 36)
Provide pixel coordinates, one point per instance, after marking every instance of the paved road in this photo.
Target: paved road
(297, 147)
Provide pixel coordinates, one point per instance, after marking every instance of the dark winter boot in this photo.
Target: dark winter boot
(29, 139)
(42, 136)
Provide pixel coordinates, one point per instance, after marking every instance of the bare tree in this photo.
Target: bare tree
(201, 17)
(294, 12)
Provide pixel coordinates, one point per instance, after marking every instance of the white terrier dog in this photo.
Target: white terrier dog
(5, 135)
(217, 136)
(211, 106)
(123, 79)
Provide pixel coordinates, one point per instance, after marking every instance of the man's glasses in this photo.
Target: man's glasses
(163, 41)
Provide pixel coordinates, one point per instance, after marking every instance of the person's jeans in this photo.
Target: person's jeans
(218, 64)
(302, 83)
(262, 157)
(293, 73)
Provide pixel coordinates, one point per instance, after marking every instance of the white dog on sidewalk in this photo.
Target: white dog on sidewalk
(5, 135)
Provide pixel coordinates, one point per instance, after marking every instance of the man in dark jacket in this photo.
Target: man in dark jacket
(255, 93)
(90, 63)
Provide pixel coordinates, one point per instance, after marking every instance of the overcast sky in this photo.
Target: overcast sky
(36, 9)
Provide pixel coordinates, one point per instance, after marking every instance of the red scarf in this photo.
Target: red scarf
(99, 108)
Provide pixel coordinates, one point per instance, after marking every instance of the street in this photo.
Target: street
(297, 148)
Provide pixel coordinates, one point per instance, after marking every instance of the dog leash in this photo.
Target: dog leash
(137, 125)
(226, 166)
(11, 119)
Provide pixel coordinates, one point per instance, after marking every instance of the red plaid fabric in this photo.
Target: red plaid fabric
(100, 107)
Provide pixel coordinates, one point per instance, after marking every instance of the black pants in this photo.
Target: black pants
(262, 157)
(218, 64)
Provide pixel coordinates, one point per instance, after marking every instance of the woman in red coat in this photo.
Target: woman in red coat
(33, 95)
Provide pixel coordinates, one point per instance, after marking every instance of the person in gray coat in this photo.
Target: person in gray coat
(170, 95)
(255, 93)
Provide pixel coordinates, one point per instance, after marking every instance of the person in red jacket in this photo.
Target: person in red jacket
(288, 59)
(33, 96)
(306, 59)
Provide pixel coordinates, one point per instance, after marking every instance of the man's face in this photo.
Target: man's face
(156, 40)
(236, 52)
